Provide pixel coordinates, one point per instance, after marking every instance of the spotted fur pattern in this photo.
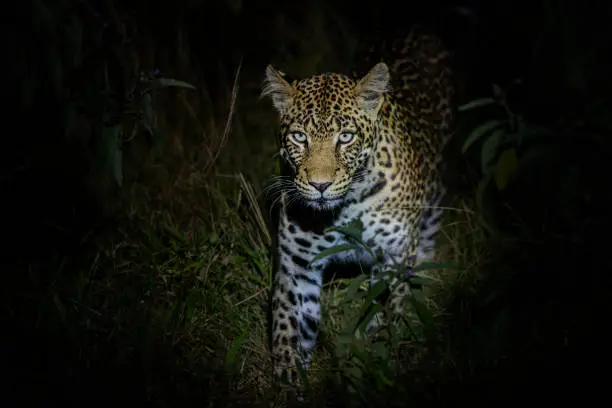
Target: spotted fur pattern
(364, 147)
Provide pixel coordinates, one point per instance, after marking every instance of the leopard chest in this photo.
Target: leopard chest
(381, 230)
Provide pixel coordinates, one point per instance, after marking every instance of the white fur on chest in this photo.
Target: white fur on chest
(390, 237)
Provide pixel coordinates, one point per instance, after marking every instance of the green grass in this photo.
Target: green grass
(174, 293)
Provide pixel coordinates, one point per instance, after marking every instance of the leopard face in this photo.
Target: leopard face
(327, 130)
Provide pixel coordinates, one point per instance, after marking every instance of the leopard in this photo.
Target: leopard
(361, 147)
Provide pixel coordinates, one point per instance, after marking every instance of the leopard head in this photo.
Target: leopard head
(327, 129)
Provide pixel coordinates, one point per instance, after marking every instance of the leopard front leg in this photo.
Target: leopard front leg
(296, 311)
(399, 290)
(401, 261)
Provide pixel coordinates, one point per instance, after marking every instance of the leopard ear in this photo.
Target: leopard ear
(278, 88)
(371, 88)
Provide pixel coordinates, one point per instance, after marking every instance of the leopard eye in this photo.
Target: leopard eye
(298, 137)
(346, 137)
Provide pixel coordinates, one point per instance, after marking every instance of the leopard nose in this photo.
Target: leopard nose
(320, 186)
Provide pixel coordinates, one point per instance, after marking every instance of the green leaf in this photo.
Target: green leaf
(373, 292)
(480, 131)
(333, 250)
(256, 279)
(476, 103)
(353, 230)
(433, 265)
(345, 338)
(361, 353)
(342, 345)
(489, 149)
(380, 350)
(505, 168)
(347, 304)
(420, 280)
(355, 373)
(175, 233)
(166, 82)
(193, 265)
(353, 288)
(425, 316)
(382, 379)
(361, 323)
(230, 357)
